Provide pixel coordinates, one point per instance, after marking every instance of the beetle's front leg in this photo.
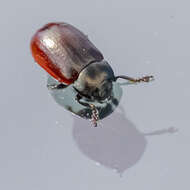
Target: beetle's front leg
(95, 115)
(56, 86)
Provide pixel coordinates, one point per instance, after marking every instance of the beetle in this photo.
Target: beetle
(71, 58)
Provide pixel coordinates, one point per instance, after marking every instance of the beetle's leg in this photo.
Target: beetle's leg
(56, 86)
(94, 115)
(143, 79)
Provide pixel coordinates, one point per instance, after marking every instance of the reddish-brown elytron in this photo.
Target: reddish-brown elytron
(63, 51)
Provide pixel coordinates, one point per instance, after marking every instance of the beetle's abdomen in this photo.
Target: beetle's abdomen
(63, 51)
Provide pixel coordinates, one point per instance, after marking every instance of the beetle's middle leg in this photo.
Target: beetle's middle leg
(94, 115)
(56, 86)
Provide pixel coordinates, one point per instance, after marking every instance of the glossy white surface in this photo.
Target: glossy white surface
(43, 146)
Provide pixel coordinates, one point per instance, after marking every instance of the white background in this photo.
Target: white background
(44, 147)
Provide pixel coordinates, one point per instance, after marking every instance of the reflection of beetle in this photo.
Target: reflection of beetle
(68, 56)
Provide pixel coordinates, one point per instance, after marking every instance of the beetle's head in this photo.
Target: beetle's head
(95, 81)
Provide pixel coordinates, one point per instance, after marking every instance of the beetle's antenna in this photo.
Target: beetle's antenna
(143, 79)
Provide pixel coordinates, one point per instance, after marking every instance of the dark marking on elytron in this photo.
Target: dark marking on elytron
(75, 54)
(96, 54)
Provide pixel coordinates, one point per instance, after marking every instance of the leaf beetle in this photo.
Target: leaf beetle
(71, 58)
